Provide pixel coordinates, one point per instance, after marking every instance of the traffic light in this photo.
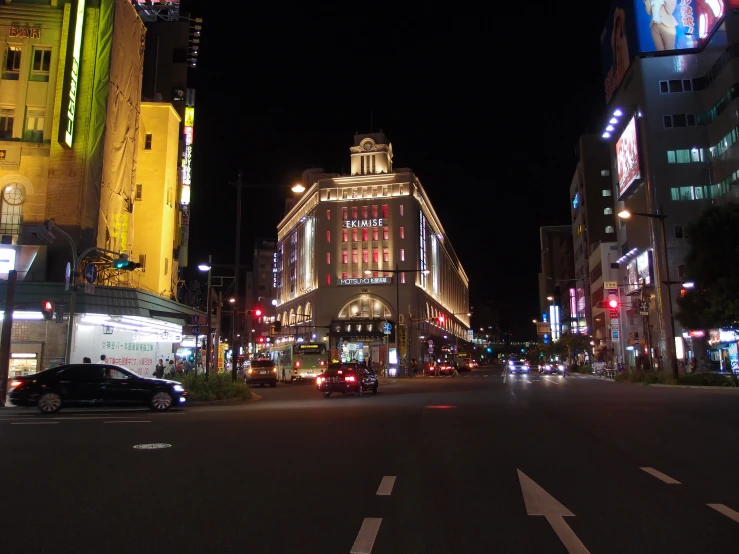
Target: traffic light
(257, 312)
(122, 262)
(47, 309)
(613, 303)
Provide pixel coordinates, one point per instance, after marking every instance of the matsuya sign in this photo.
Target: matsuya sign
(367, 281)
(364, 223)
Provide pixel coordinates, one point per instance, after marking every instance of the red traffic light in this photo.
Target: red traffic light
(47, 309)
(613, 304)
(258, 312)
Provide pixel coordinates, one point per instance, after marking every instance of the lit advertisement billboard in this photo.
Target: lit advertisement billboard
(640, 26)
(644, 268)
(627, 158)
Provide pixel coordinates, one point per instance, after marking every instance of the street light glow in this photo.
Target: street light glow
(204, 267)
(550, 298)
(232, 300)
(298, 188)
(689, 285)
(624, 214)
(274, 301)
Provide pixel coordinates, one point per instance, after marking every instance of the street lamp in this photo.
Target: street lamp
(624, 213)
(298, 188)
(206, 267)
(396, 272)
(550, 298)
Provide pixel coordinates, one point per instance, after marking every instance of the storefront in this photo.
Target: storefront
(361, 340)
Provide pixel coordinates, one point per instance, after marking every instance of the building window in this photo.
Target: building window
(401, 209)
(35, 121)
(355, 234)
(376, 233)
(679, 234)
(12, 63)
(328, 258)
(345, 235)
(355, 215)
(402, 278)
(328, 236)
(375, 212)
(375, 274)
(147, 142)
(385, 211)
(365, 256)
(607, 211)
(402, 254)
(402, 232)
(6, 124)
(385, 255)
(139, 195)
(11, 215)
(606, 192)
(375, 255)
(328, 215)
(142, 262)
(365, 234)
(610, 229)
(355, 256)
(41, 64)
(328, 280)
(344, 214)
(385, 233)
(166, 266)
(344, 256)
(344, 275)
(365, 212)
(605, 172)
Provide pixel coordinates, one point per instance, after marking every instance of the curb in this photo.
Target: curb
(710, 387)
(253, 397)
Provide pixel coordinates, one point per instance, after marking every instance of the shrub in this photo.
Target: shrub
(646, 378)
(706, 380)
(216, 386)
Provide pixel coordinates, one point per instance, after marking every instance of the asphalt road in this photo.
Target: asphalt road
(485, 462)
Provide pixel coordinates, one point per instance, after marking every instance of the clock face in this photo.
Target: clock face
(368, 145)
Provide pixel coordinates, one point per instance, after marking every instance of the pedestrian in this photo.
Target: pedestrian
(414, 366)
(86, 360)
(170, 368)
(103, 359)
(159, 369)
(693, 364)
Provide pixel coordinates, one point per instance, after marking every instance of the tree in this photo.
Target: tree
(712, 263)
(574, 343)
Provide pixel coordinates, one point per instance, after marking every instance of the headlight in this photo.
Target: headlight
(178, 388)
(561, 367)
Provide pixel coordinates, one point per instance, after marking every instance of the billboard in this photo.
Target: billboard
(644, 268)
(627, 158)
(639, 26)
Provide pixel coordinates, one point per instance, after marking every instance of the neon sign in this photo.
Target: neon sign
(74, 49)
(190, 116)
(186, 163)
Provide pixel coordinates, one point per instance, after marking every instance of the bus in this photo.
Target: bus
(301, 360)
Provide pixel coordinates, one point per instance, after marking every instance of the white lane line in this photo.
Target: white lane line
(723, 509)
(568, 537)
(130, 421)
(659, 475)
(366, 536)
(35, 423)
(548, 379)
(386, 486)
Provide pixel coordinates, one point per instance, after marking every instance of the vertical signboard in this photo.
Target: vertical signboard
(71, 74)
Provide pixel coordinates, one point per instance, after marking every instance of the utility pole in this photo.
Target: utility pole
(236, 348)
(6, 334)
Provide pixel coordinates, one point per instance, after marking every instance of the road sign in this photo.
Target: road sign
(615, 336)
(91, 273)
(387, 328)
(89, 289)
(610, 285)
(615, 326)
(470, 334)
(643, 307)
(196, 319)
(195, 330)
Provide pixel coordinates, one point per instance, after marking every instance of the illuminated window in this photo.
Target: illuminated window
(375, 212)
(365, 212)
(328, 236)
(401, 209)
(385, 255)
(328, 215)
(328, 280)
(607, 211)
(385, 211)
(345, 235)
(328, 258)
(376, 233)
(365, 256)
(355, 256)
(610, 229)
(402, 278)
(402, 232)
(365, 234)
(375, 255)
(606, 192)
(375, 274)
(11, 215)
(354, 213)
(605, 172)
(344, 275)
(35, 121)
(345, 213)
(385, 233)
(402, 254)
(147, 141)
(6, 124)
(355, 235)
(345, 256)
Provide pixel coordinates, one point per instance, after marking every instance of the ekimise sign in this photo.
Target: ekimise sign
(72, 75)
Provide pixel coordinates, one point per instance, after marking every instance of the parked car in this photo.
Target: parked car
(345, 378)
(93, 384)
(262, 372)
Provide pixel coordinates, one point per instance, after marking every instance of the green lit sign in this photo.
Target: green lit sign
(71, 80)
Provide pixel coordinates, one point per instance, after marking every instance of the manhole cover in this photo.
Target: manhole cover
(152, 446)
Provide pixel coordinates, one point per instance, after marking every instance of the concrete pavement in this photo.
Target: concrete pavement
(480, 463)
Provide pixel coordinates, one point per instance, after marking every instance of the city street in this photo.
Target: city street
(484, 462)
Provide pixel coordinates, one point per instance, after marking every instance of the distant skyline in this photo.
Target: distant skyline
(489, 130)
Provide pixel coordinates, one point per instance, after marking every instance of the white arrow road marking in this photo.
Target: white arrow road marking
(366, 536)
(659, 475)
(723, 509)
(386, 486)
(540, 503)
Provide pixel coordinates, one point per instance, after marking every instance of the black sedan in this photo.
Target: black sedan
(93, 385)
(346, 378)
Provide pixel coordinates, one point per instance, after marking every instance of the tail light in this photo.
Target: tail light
(322, 362)
(250, 371)
(349, 378)
(297, 364)
(319, 380)
(274, 370)
(15, 383)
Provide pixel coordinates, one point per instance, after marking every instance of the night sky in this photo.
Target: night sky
(485, 109)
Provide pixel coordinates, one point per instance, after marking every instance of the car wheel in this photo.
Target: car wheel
(161, 401)
(49, 402)
(326, 394)
(374, 389)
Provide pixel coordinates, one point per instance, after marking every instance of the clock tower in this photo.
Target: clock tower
(371, 154)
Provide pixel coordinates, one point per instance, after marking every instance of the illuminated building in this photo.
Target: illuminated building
(338, 251)
(70, 93)
(556, 277)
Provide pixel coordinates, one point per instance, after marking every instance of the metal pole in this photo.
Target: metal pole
(208, 344)
(237, 273)
(397, 323)
(70, 323)
(6, 334)
(671, 350)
